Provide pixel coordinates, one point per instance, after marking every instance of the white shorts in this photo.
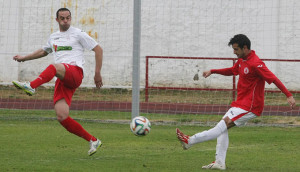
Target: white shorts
(239, 116)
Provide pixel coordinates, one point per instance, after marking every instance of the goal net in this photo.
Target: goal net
(184, 91)
(173, 90)
(181, 31)
(26, 26)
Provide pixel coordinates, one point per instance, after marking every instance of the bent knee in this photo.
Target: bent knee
(61, 115)
(61, 118)
(229, 122)
(60, 70)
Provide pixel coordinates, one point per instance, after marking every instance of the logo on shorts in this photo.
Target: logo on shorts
(246, 70)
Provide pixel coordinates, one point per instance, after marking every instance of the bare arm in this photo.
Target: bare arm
(35, 55)
(98, 58)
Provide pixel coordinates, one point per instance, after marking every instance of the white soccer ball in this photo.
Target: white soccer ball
(140, 126)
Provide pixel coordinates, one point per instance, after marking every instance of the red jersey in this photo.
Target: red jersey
(251, 85)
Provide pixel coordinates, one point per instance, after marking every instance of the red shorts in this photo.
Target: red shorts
(64, 89)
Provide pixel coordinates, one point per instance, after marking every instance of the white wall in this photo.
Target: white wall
(197, 28)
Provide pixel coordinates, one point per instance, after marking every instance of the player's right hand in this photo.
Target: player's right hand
(206, 74)
(18, 58)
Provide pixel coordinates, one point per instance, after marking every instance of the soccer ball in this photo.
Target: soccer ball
(140, 126)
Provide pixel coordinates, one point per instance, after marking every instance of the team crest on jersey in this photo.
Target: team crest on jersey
(61, 48)
(246, 70)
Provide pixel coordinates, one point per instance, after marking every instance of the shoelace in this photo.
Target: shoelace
(183, 137)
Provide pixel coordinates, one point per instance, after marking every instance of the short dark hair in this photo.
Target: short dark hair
(62, 9)
(241, 40)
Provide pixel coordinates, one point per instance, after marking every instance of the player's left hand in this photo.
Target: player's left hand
(98, 80)
(291, 101)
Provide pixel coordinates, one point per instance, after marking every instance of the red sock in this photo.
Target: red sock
(74, 127)
(44, 77)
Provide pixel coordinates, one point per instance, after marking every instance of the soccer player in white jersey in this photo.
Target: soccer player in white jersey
(249, 104)
(67, 45)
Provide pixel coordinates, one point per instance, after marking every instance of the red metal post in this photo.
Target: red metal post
(146, 80)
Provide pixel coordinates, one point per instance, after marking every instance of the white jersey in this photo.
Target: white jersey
(68, 47)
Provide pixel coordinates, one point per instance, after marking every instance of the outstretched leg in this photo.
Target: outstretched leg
(209, 134)
(46, 76)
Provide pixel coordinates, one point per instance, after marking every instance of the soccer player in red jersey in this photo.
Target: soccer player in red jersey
(249, 103)
(67, 46)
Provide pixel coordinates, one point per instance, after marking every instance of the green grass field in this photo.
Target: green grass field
(37, 142)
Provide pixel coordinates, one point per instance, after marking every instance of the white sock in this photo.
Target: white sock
(209, 134)
(221, 149)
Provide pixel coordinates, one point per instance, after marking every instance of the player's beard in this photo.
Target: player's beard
(64, 27)
(242, 55)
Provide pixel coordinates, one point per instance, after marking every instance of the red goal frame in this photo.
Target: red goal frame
(147, 87)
